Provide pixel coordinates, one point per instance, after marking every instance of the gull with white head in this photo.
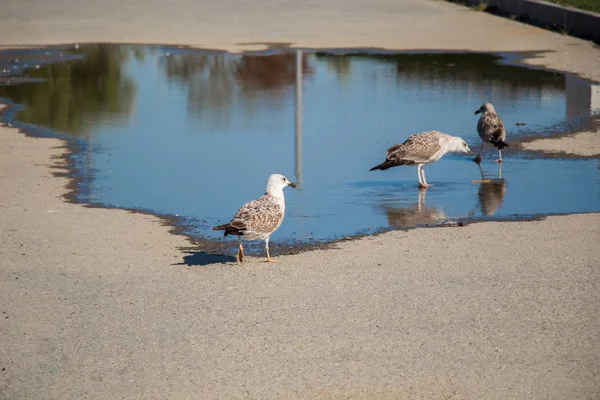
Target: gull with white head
(420, 149)
(491, 130)
(258, 219)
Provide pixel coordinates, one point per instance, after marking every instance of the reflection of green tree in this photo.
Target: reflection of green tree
(74, 93)
(469, 70)
(215, 81)
(341, 65)
(208, 78)
(273, 72)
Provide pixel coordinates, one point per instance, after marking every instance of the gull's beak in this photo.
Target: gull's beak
(478, 111)
(469, 151)
(292, 184)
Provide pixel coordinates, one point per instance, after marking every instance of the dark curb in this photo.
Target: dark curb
(568, 20)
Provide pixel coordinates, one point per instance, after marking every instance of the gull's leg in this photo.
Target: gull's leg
(240, 254)
(269, 259)
(477, 159)
(422, 182)
(499, 160)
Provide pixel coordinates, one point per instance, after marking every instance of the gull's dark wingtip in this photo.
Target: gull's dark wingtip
(500, 144)
(383, 166)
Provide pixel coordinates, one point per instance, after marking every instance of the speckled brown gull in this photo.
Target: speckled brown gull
(258, 219)
(491, 130)
(420, 149)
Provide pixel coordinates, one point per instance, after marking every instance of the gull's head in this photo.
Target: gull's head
(460, 146)
(277, 182)
(486, 107)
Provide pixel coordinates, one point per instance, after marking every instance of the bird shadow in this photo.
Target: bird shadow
(200, 258)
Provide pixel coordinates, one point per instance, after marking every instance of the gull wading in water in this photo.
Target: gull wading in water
(258, 219)
(420, 149)
(491, 130)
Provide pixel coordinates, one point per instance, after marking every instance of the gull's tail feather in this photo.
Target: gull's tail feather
(383, 166)
(500, 144)
(392, 163)
(229, 229)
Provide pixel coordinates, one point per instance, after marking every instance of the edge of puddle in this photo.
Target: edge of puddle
(221, 248)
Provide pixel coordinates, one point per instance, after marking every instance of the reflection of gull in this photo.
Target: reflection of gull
(419, 214)
(258, 219)
(491, 192)
(420, 149)
(491, 130)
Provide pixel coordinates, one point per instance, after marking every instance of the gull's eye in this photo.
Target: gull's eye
(283, 179)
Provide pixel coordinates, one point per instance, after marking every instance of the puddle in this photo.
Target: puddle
(196, 133)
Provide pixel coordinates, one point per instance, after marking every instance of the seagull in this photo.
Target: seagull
(490, 129)
(258, 219)
(420, 149)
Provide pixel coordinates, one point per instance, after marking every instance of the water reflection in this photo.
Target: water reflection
(74, 97)
(484, 75)
(215, 83)
(193, 133)
(467, 72)
(415, 214)
(298, 118)
(491, 192)
(582, 97)
(340, 65)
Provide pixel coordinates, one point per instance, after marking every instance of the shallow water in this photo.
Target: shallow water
(195, 134)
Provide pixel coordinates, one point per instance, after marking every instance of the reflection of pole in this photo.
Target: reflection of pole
(298, 131)
(582, 97)
(577, 96)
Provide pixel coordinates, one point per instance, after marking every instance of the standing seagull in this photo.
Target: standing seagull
(490, 129)
(420, 149)
(259, 218)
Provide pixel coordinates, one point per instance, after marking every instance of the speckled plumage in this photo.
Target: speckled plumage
(258, 219)
(491, 130)
(420, 149)
(490, 126)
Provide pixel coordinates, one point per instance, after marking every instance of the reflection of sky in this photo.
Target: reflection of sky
(174, 160)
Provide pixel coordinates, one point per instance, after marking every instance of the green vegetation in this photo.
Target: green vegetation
(590, 5)
(74, 93)
(481, 6)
